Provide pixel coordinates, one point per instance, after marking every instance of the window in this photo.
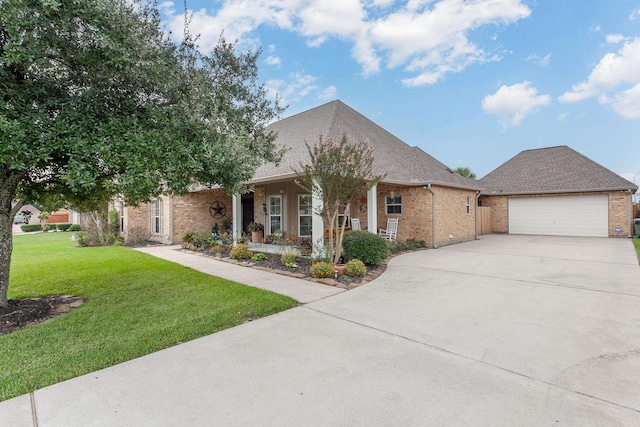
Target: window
(394, 204)
(341, 210)
(305, 218)
(275, 214)
(468, 205)
(156, 217)
(121, 216)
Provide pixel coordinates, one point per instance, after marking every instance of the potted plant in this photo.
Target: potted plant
(257, 232)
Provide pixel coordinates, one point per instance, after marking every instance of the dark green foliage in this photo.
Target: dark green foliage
(96, 100)
(30, 227)
(63, 227)
(409, 245)
(74, 227)
(367, 247)
(259, 257)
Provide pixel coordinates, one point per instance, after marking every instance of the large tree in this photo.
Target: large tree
(96, 100)
(339, 173)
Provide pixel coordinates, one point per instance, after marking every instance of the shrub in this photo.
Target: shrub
(259, 257)
(137, 236)
(188, 238)
(63, 227)
(74, 227)
(305, 245)
(322, 269)
(30, 227)
(83, 239)
(355, 268)
(288, 259)
(216, 249)
(367, 247)
(49, 227)
(240, 251)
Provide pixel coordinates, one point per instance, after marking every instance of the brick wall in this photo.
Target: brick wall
(192, 213)
(619, 208)
(453, 224)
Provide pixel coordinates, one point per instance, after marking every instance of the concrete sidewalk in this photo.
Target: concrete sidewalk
(303, 291)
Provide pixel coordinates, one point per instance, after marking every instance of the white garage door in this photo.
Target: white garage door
(560, 216)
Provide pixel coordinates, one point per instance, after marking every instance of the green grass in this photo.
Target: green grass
(636, 243)
(135, 304)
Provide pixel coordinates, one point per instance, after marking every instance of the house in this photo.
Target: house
(547, 191)
(430, 201)
(557, 191)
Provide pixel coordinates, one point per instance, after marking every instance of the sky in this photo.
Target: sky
(471, 82)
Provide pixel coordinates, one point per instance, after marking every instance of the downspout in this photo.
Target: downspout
(433, 217)
(475, 210)
(630, 210)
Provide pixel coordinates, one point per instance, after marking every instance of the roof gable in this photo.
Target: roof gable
(553, 169)
(402, 163)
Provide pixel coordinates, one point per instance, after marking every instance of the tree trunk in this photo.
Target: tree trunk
(6, 247)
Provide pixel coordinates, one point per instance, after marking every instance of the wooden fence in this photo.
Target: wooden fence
(483, 218)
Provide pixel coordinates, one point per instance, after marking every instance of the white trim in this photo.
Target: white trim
(281, 215)
(372, 210)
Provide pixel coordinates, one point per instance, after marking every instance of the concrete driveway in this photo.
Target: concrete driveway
(507, 330)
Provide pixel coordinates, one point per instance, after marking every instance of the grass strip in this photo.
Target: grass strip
(135, 305)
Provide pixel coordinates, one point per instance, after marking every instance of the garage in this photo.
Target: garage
(585, 215)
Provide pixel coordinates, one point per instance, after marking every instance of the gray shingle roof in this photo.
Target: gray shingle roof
(548, 170)
(402, 163)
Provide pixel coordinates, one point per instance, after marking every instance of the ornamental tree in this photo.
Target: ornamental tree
(339, 173)
(96, 100)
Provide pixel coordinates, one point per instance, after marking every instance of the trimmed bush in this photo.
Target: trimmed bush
(83, 239)
(240, 251)
(137, 236)
(322, 270)
(74, 227)
(355, 268)
(367, 247)
(30, 228)
(63, 227)
(259, 257)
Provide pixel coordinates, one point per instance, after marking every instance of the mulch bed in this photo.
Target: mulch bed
(302, 270)
(21, 313)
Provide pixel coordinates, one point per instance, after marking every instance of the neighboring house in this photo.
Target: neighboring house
(431, 202)
(557, 191)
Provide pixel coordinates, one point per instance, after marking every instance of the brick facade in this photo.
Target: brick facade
(619, 209)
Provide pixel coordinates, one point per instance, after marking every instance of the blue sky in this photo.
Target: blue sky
(472, 82)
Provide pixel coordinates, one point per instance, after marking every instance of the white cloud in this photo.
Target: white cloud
(614, 81)
(538, 60)
(427, 38)
(298, 86)
(272, 60)
(513, 103)
(634, 15)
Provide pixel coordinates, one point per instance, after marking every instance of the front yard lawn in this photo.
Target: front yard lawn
(636, 243)
(135, 304)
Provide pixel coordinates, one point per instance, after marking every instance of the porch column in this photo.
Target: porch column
(372, 210)
(236, 216)
(317, 227)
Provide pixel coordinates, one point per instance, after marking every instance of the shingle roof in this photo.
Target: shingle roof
(402, 163)
(548, 170)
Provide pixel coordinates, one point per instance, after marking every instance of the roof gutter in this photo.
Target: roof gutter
(433, 217)
(517, 193)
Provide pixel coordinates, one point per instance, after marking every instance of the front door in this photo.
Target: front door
(247, 211)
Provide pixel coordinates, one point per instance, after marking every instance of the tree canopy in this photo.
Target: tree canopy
(97, 100)
(339, 173)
